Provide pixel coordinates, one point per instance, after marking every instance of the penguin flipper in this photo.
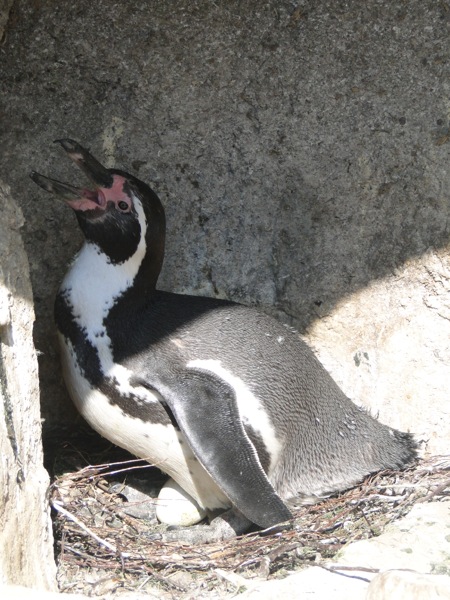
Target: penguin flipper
(206, 411)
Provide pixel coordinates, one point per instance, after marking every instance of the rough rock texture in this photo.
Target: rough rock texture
(412, 555)
(301, 151)
(26, 541)
(420, 541)
(15, 592)
(5, 6)
(314, 582)
(397, 356)
(404, 585)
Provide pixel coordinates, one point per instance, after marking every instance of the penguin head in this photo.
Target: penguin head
(118, 215)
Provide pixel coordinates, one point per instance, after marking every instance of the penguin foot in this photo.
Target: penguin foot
(228, 525)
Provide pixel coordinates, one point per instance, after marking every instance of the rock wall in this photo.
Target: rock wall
(5, 6)
(389, 346)
(301, 151)
(26, 541)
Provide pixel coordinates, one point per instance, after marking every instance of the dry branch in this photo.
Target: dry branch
(319, 531)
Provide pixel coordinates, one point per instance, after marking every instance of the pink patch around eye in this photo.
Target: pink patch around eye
(94, 199)
(116, 193)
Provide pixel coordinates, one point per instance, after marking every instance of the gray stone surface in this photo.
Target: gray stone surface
(15, 592)
(301, 151)
(388, 346)
(313, 582)
(412, 556)
(420, 541)
(319, 584)
(407, 585)
(26, 541)
(5, 6)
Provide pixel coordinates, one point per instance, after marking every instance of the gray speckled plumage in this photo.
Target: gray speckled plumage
(328, 442)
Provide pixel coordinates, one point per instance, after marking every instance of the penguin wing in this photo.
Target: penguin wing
(205, 409)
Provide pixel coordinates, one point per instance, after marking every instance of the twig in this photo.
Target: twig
(79, 553)
(343, 570)
(57, 506)
(345, 515)
(99, 470)
(338, 567)
(372, 531)
(436, 492)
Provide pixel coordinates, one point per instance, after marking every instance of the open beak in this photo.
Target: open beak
(100, 176)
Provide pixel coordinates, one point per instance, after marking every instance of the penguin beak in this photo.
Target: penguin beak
(100, 176)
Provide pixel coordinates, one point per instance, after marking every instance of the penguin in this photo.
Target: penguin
(226, 400)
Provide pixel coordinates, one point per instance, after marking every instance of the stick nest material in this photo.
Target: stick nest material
(101, 549)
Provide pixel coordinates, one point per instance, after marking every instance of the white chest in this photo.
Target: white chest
(160, 444)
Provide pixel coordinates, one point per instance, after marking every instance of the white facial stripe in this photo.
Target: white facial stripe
(93, 282)
(92, 285)
(250, 408)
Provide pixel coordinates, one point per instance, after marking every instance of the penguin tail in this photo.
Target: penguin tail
(407, 449)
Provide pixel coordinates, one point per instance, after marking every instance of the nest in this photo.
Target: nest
(102, 550)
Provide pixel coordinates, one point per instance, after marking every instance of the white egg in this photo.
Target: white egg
(176, 507)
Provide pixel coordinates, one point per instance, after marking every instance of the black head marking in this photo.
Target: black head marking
(107, 214)
(117, 235)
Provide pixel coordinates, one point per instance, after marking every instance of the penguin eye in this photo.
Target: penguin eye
(122, 205)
